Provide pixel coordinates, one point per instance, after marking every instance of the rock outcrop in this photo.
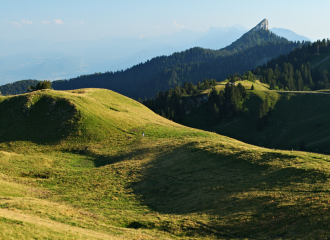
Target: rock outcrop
(263, 25)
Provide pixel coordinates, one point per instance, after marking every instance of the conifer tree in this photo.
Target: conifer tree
(172, 114)
(215, 113)
(163, 114)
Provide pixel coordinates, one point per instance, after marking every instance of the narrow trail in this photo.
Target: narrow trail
(320, 62)
(310, 92)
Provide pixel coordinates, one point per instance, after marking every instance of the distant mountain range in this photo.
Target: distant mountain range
(40, 59)
(288, 34)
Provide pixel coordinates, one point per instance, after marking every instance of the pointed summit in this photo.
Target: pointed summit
(255, 36)
(262, 25)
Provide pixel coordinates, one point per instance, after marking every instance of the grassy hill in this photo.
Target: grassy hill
(74, 164)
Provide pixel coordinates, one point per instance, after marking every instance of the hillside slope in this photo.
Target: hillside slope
(303, 69)
(299, 117)
(93, 171)
(296, 118)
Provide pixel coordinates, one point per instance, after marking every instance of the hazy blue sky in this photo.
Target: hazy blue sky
(91, 20)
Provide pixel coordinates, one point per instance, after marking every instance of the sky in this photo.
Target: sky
(72, 20)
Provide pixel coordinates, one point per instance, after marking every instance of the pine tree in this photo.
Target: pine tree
(163, 114)
(213, 96)
(272, 84)
(199, 86)
(299, 81)
(169, 113)
(215, 113)
(325, 79)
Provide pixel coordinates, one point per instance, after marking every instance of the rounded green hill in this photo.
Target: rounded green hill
(76, 164)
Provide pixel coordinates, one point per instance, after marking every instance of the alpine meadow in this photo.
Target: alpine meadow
(228, 143)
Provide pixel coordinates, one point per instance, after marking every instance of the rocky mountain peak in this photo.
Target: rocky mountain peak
(262, 25)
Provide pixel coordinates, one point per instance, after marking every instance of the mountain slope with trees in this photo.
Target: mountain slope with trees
(305, 68)
(196, 64)
(255, 115)
(17, 87)
(164, 72)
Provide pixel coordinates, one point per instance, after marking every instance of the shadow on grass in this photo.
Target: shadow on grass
(47, 121)
(222, 195)
(233, 189)
(128, 153)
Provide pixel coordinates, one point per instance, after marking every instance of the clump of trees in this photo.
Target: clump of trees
(46, 84)
(286, 77)
(227, 103)
(238, 77)
(174, 103)
(265, 110)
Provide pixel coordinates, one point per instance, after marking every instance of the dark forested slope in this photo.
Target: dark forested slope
(17, 87)
(195, 64)
(305, 68)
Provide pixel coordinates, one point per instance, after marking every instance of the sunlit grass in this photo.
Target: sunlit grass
(103, 176)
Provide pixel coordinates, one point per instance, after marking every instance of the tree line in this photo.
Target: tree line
(293, 72)
(175, 103)
(18, 87)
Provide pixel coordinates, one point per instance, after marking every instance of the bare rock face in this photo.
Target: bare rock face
(262, 25)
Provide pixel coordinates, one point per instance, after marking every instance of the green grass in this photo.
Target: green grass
(97, 174)
(247, 84)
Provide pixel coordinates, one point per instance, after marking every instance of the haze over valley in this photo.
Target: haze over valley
(47, 59)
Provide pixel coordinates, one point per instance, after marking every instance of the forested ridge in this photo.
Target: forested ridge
(294, 71)
(221, 67)
(17, 87)
(193, 65)
(175, 103)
